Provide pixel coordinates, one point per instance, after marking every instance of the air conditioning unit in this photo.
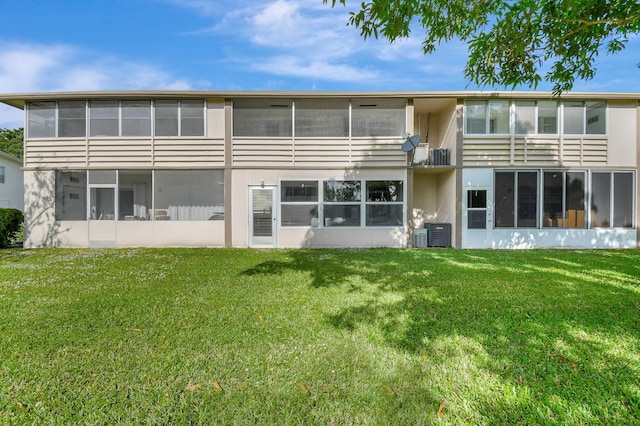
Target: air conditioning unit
(439, 157)
(420, 239)
(439, 234)
(420, 155)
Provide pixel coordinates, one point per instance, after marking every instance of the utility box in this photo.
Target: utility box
(420, 238)
(438, 234)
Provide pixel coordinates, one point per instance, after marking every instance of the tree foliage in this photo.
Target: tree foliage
(11, 141)
(511, 43)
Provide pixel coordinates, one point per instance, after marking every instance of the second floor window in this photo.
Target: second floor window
(114, 118)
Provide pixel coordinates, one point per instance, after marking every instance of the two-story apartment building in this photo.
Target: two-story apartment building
(330, 169)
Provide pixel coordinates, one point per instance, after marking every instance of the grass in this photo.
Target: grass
(380, 336)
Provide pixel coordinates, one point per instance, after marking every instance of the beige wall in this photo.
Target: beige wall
(434, 200)
(623, 146)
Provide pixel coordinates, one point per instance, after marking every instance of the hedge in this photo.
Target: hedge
(10, 223)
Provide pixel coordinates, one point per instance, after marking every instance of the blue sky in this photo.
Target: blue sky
(69, 45)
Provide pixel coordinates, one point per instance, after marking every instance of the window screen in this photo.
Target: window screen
(262, 118)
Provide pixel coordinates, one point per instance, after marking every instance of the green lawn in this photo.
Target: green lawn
(381, 336)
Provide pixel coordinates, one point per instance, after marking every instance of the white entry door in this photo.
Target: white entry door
(262, 217)
(102, 215)
(477, 218)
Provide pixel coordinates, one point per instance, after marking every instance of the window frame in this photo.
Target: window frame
(362, 203)
(612, 198)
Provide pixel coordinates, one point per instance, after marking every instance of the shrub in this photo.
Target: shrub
(10, 224)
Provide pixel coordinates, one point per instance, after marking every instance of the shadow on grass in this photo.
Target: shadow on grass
(559, 329)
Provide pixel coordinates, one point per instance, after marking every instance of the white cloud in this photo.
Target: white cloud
(287, 65)
(50, 68)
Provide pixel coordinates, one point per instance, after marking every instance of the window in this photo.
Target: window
(71, 195)
(136, 118)
(378, 117)
(564, 199)
(192, 117)
(41, 121)
(487, 117)
(476, 209)
(72, 119)
(516, 199)
(2, 174)
(299, 203)
(188, 195)
(322, 118)
(104, 118)
(536, 117)
(612, 199)
(384, 205)
(262, 117)
(134, 194)
(167, 118)
(585, 118)
(341, 203)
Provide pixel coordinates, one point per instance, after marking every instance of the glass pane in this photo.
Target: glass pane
(166, 122)
(136, 118)
(477, 199)
(299, 214)
(192, 117)
(262, 117)
(103, 118)
(499, 117)
(575, 190)
(41, 122)
(384, 190)
(527, 199)
(342, 215)
(188, 195)
(102, 204)
(71, 195)
(525, 117)
(504, 208)
(322, 118)
(623, 200)
(476, 113)
(262, 214)
(574, 118)
(547, 117)
(102, 176)
(299, 190)
(134, 194)
(378, 117)
(601, 200)
(552, 200)
(72, 119)
(596, 121)
(384, 215)
(477, 219)
(340, 191)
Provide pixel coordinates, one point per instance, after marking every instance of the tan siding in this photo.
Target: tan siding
(55, 153)
(189, 153)
(535, 151)
(318, 152)
(487, 152)
(120, 153)
(251, 152)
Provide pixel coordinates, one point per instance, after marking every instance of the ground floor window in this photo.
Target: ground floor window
(612, 199)
(340, 203)
(559, 199)
(516, 199)
(181, 195)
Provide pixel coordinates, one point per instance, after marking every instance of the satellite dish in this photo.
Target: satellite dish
(411, 143)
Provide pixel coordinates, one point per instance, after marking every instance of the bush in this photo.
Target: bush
(10, 224)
